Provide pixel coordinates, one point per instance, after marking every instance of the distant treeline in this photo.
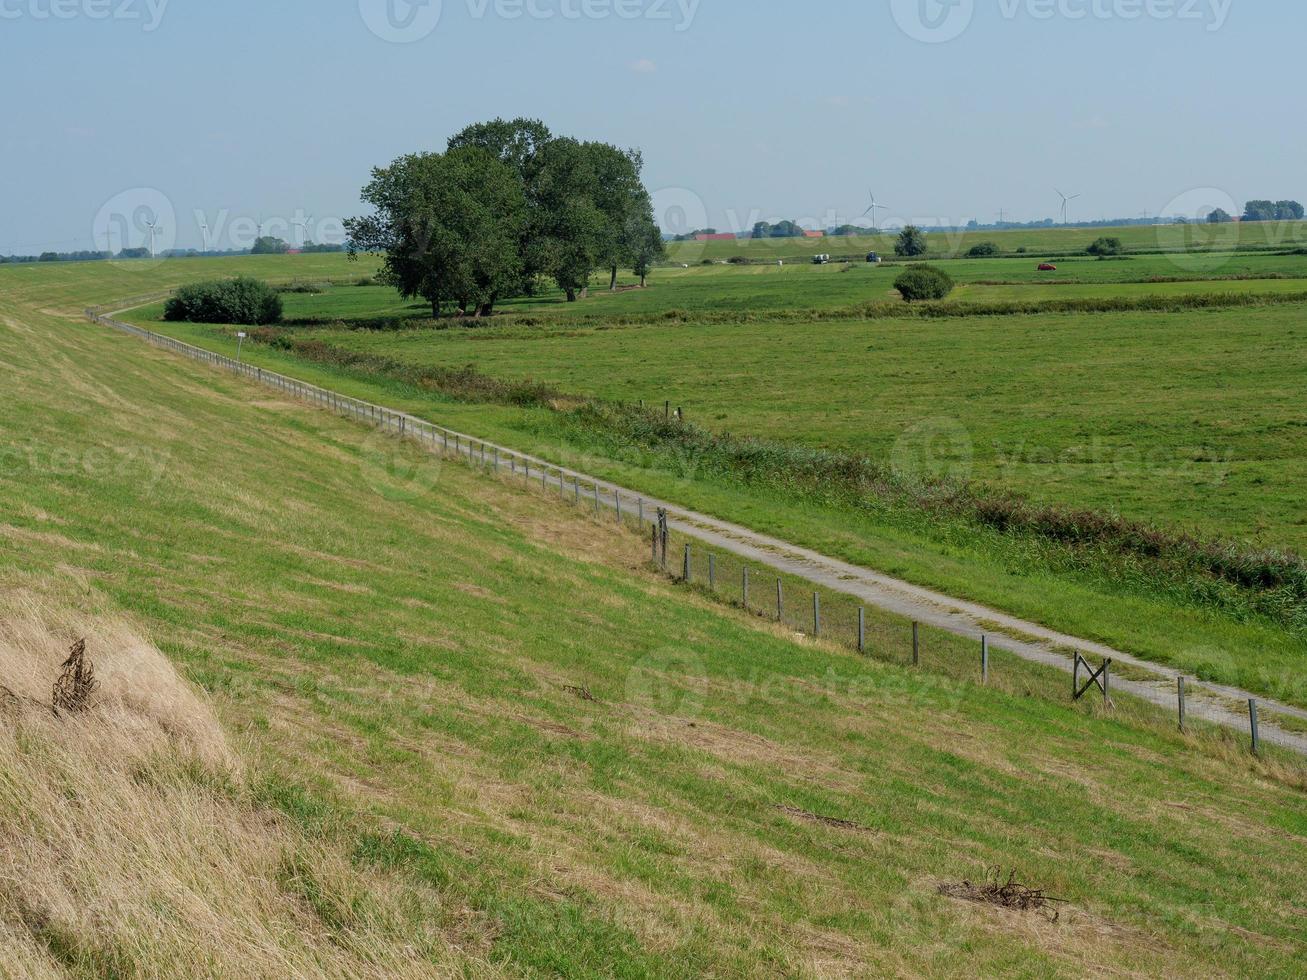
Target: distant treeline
(172, 253)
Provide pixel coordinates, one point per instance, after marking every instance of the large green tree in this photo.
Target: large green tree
(574, 235)
(449, 226)
(577, 207)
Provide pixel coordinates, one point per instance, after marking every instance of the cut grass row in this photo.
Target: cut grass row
(395, 652)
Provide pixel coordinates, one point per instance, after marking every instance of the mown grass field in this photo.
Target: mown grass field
(1193, 419)
(1111, 411)
(1169, 238)
(391, 643)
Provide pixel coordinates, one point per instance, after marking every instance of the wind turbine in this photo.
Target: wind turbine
(1065, 201)
(204, 230)
(873, 209)
(154, 230)
(308, 220)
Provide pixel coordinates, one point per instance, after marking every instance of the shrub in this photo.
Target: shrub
(982, 250)
(1106, 246)
(738, 260)
(920, 282)
(1022, 250)
(242, 300)
(911, 242)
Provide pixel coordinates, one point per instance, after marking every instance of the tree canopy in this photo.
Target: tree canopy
(911, 242)
(507, 205)
(1273, 211)
(269, 245)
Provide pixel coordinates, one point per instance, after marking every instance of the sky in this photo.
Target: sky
(211, 116)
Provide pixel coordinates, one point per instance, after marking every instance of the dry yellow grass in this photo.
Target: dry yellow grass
(129, 845)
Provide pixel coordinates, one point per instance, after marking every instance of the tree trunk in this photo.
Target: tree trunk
(571, 294)
(486, 309)
(642, 280)
(435, 309)
(612, 283)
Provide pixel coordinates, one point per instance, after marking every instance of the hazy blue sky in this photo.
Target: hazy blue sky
(756, 108)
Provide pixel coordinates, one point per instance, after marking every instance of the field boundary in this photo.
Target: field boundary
(986, 626)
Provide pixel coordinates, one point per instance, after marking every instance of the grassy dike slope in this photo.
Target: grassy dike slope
(389, 646)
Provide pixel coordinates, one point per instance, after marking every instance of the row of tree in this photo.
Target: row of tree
(507, 206)
(1262, 211)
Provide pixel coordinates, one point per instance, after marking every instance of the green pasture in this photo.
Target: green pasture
(1166, 238)
(601, 773)
(1113, 412)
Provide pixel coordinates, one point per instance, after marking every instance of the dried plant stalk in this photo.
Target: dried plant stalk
(73, 689)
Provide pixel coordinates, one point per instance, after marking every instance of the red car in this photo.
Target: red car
(1047, 267)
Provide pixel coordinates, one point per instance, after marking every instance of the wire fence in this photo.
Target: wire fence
(788, 600)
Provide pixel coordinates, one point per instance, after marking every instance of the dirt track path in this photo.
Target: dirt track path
(1214, 703)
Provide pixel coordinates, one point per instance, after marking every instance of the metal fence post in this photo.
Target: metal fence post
(617, 502)
(816, 614)
(688, 571)
(780, 602)
(862, 629)
(984, 659)
(1252, 725)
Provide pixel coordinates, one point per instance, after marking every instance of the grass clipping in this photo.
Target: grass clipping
(130, 845)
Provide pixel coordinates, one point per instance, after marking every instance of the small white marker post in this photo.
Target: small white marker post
(240, 342)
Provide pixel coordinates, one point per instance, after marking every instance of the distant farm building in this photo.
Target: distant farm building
(814, 234)
(714, 238)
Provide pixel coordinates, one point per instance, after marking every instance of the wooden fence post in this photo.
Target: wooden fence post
(1179, 688)
(916, 644)
(984, 659)
(780, 603)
